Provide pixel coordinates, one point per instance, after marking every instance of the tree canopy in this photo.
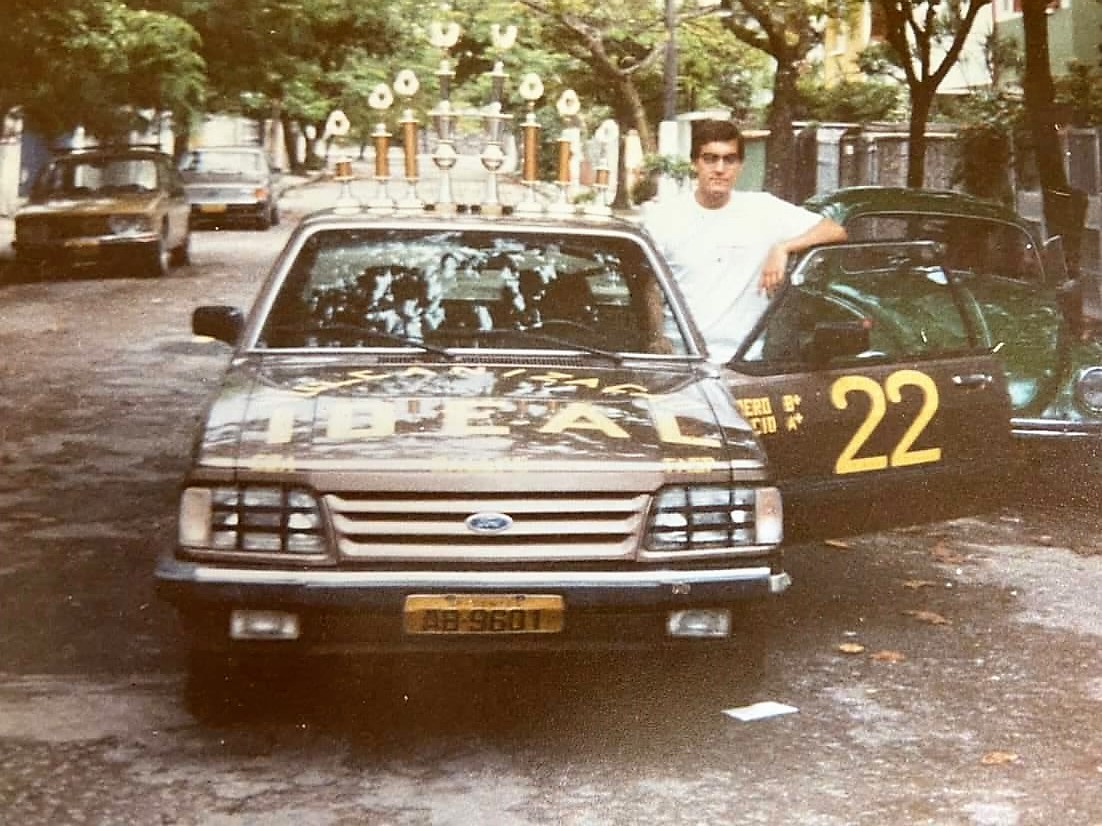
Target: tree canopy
(102, 64)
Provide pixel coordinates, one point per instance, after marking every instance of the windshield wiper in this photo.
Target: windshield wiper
(534, 334)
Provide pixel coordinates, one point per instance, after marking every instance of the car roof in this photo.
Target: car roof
(849, 202)
(254, 150)
(102, 152)
(469, 219)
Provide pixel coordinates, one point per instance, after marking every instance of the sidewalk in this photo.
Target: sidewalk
(7, 234)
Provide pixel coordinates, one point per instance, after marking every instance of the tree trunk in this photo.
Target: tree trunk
(638, 115)
(290, 142)
(921, 102)
(1040, 96)
(1064, 209)
(780, 148)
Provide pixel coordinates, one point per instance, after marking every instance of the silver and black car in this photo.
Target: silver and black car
(453, 432)
(230, 186)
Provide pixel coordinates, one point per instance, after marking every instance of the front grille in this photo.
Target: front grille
(61, 227)
(547, 527)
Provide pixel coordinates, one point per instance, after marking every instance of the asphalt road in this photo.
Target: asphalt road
(943, 675)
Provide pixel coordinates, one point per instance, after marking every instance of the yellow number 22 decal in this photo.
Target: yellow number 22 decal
(902, 455)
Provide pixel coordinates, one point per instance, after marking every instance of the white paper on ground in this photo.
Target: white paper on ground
(760, 711)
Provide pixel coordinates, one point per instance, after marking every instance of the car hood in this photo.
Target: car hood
(131, 204)
(275, 413)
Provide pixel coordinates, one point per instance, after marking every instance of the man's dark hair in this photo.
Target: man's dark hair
(709, 131)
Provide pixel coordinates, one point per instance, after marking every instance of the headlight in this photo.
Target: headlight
(251, 519)
(1088, 389)
(694, 518)
(130, 224)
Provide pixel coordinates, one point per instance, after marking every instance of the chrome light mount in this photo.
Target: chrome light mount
(568, 106)
(531, 89)
(406, 86)
(381, 99)
(337, 126)
(444, 117)
(493, 119)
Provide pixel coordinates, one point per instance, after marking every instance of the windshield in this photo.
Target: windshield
(899, 292)
(74, 178)
(472, 289)
(978, 245)
(210, 162)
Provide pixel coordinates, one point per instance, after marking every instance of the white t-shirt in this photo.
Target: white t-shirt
(717, 254)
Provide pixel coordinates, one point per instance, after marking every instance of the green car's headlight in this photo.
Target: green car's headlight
(1088, 388)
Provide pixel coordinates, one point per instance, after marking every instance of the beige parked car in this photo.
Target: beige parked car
(116, 210)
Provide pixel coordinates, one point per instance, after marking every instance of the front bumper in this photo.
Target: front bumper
(76, 252)
(361, 611)
(219, 212)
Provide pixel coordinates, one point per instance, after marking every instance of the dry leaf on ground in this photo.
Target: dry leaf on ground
(930, 617)
(999, 758)
(891, 657)
(915, 584)
(947, 556)
(851, 648)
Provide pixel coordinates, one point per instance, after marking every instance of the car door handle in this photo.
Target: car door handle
(980, 380)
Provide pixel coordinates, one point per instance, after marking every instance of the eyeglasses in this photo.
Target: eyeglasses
(711, 158)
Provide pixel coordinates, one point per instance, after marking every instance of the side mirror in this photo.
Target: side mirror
(218, 321)
(838, 339)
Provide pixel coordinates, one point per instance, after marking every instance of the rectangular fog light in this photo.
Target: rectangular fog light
(702, 623)
(263, 625)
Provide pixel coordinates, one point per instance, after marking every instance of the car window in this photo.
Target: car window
(350, 288)
(97, 176)
(978, 245)
(222, 162)
(899, 292)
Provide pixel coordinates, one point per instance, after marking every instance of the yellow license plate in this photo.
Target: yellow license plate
(484, 614)
(82, 244)
(212, 207)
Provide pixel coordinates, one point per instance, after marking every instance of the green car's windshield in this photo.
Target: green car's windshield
(900, 292)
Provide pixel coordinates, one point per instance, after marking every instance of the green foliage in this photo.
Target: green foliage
(1079, 92)
(98, 63)
(985, 142)
(848, 101)
(655, 166)
(679, 169)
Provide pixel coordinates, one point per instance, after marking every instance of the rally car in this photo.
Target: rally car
(1015, 290)
(445, 432)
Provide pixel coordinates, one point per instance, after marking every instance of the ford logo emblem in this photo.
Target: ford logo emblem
(488, 522)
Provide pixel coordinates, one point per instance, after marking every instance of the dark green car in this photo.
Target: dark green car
(1014, 290)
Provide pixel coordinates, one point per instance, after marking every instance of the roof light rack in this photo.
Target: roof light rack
(444, 156)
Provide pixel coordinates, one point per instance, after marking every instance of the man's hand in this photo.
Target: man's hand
(776, 263)
(772, 272)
